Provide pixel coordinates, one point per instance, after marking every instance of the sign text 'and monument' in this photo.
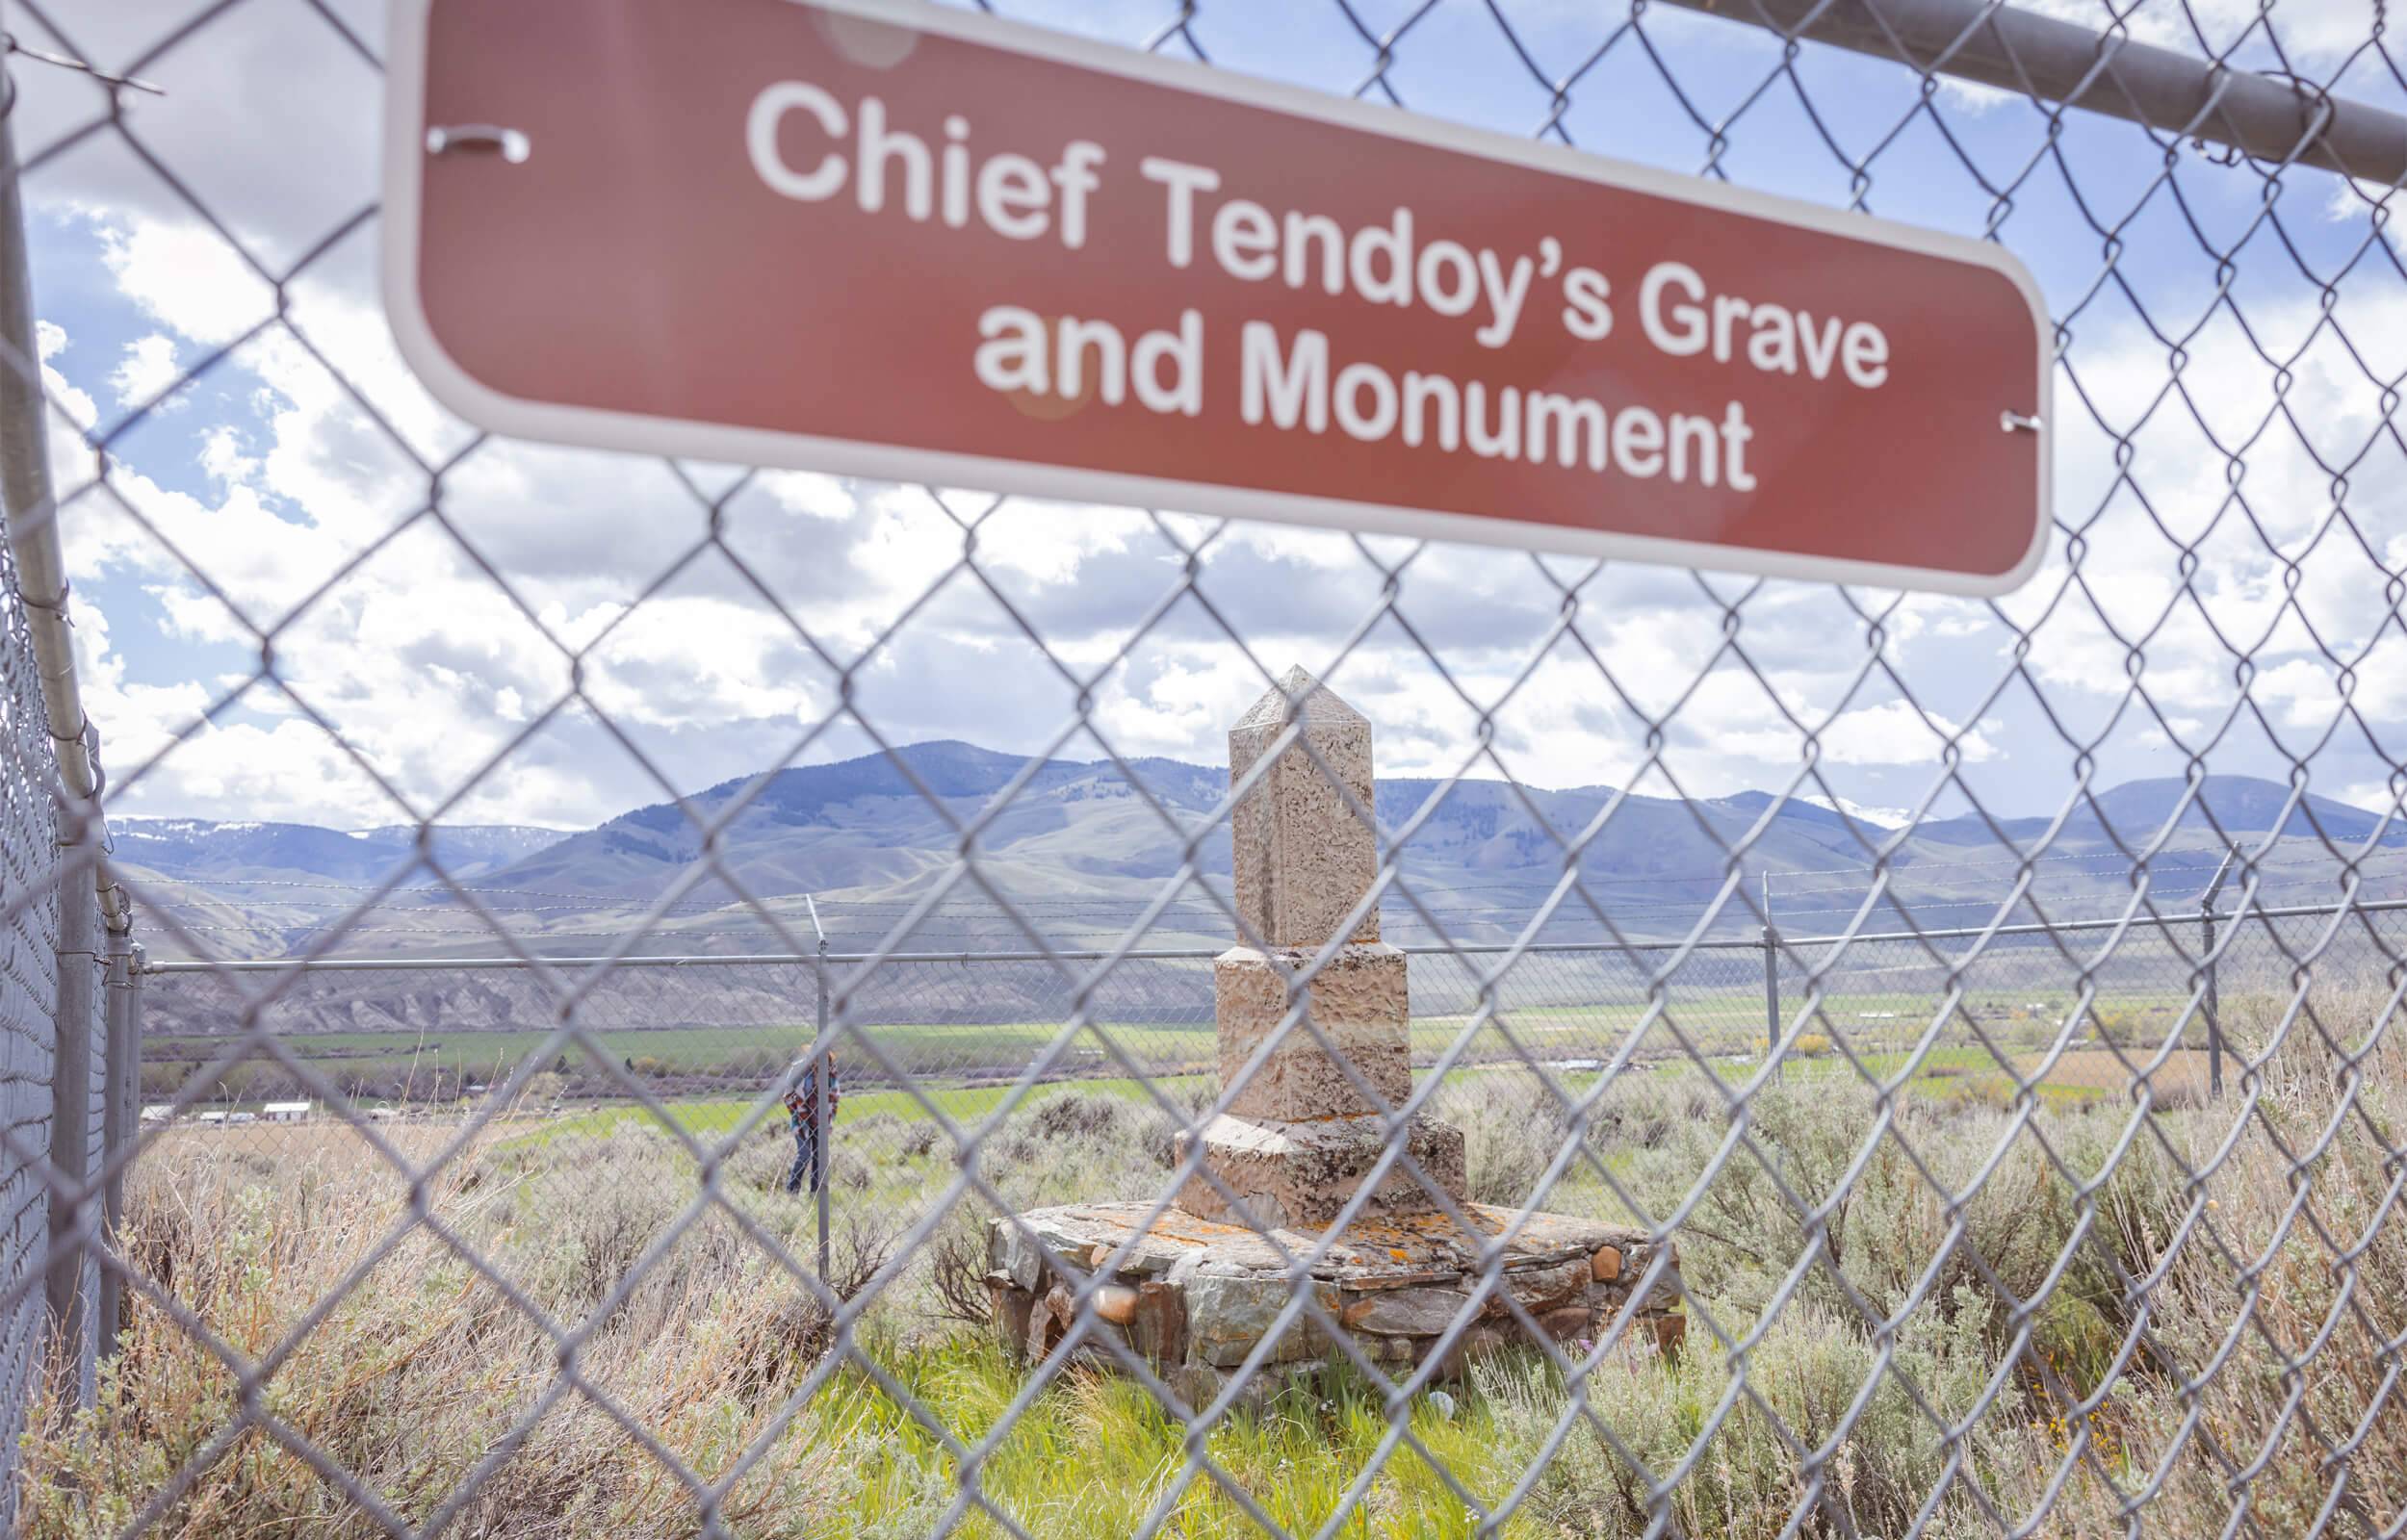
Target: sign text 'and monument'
(895, 241)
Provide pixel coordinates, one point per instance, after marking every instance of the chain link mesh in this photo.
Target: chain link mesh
(28, 1016)
(2005, 1192)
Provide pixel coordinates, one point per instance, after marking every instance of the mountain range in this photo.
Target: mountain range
(1078, 853)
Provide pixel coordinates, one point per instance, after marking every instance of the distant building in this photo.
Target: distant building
(286, 1112)
(159, 1113)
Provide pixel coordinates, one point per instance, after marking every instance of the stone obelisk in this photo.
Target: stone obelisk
(1300, 1136)
(1197, 1287)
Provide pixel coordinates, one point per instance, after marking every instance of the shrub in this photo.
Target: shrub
(2169, 1093)
(957, 1269)
(1157, 1132)
(2121, 1028)
(1080, 1113)
(2028, 1037)
(1637, 1112)
(1511, 1129)
(413, 1377)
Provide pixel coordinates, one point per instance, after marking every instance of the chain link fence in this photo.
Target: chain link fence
(2077, 1012)
(30, 1023)
(2014, 1225)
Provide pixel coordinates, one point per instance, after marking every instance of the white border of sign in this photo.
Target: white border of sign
(405, 160)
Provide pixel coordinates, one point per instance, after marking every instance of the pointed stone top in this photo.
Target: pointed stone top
(1302, 856)
(1271, 710)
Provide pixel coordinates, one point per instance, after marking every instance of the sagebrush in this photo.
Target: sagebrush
(2199, 1302)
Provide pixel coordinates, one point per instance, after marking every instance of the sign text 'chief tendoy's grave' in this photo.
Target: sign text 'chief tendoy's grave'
(926, 245)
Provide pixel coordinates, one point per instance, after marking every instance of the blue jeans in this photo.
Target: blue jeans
(806, 1154)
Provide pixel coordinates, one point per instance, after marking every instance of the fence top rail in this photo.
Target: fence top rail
(2253, 912)
(1194, 954)
(1152, 953)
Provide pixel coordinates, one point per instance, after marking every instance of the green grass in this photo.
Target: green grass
(1718, 1019)
(709, 1070)
(1731, 1019)
(404, 1366)
(406, 1066)
(1097, 1453)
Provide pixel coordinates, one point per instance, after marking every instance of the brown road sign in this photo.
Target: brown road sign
(894, 241)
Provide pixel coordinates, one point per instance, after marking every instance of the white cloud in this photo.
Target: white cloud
(1887, 817)
(1894, 732)
(1890, 733)
(149, 366)
(185, 277)
(2373, 796)
(429, 669)
(1974, 99)
(2311, 32)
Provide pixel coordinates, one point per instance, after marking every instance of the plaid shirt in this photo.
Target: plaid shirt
(802, 1100)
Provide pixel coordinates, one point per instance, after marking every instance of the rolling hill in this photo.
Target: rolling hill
(1078, 852)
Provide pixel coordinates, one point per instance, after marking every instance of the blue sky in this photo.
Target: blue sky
(270, 478)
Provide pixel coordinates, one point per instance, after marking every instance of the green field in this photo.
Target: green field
(1944, 1072)
(963, 1104)
(723, 1066)
(405, 1066)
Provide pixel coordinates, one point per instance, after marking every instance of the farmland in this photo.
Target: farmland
(431, 1068)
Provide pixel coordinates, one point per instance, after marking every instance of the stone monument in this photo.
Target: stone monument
(1301, 1133)
(1198, 1288)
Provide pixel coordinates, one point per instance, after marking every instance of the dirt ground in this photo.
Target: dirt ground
(2185, 1071)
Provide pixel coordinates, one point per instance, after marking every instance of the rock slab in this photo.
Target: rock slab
(1203, 1298)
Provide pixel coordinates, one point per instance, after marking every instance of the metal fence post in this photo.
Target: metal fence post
(2014, 50)
(822, 1123)
(85, 887)
(2213, 998)
(71, 1128)
(1771, 987)
(2214, 1025)
(118, 1114)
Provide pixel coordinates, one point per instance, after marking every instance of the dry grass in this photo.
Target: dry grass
(2180, 1080)
(422, 1371)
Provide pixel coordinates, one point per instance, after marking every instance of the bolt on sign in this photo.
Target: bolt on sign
(895, 241)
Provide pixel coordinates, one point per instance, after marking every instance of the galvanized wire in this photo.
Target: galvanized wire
(29, 967)
(1707, 1009)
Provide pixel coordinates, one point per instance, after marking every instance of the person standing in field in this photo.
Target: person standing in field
(802, 1110)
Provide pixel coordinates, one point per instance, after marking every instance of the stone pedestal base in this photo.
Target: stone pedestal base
(1300, 1137)
(1360, 1002)
(1302, 1174)
(1197, 1297)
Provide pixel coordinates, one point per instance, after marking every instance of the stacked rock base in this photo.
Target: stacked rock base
(1195, 1298)
(1302, 1174)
